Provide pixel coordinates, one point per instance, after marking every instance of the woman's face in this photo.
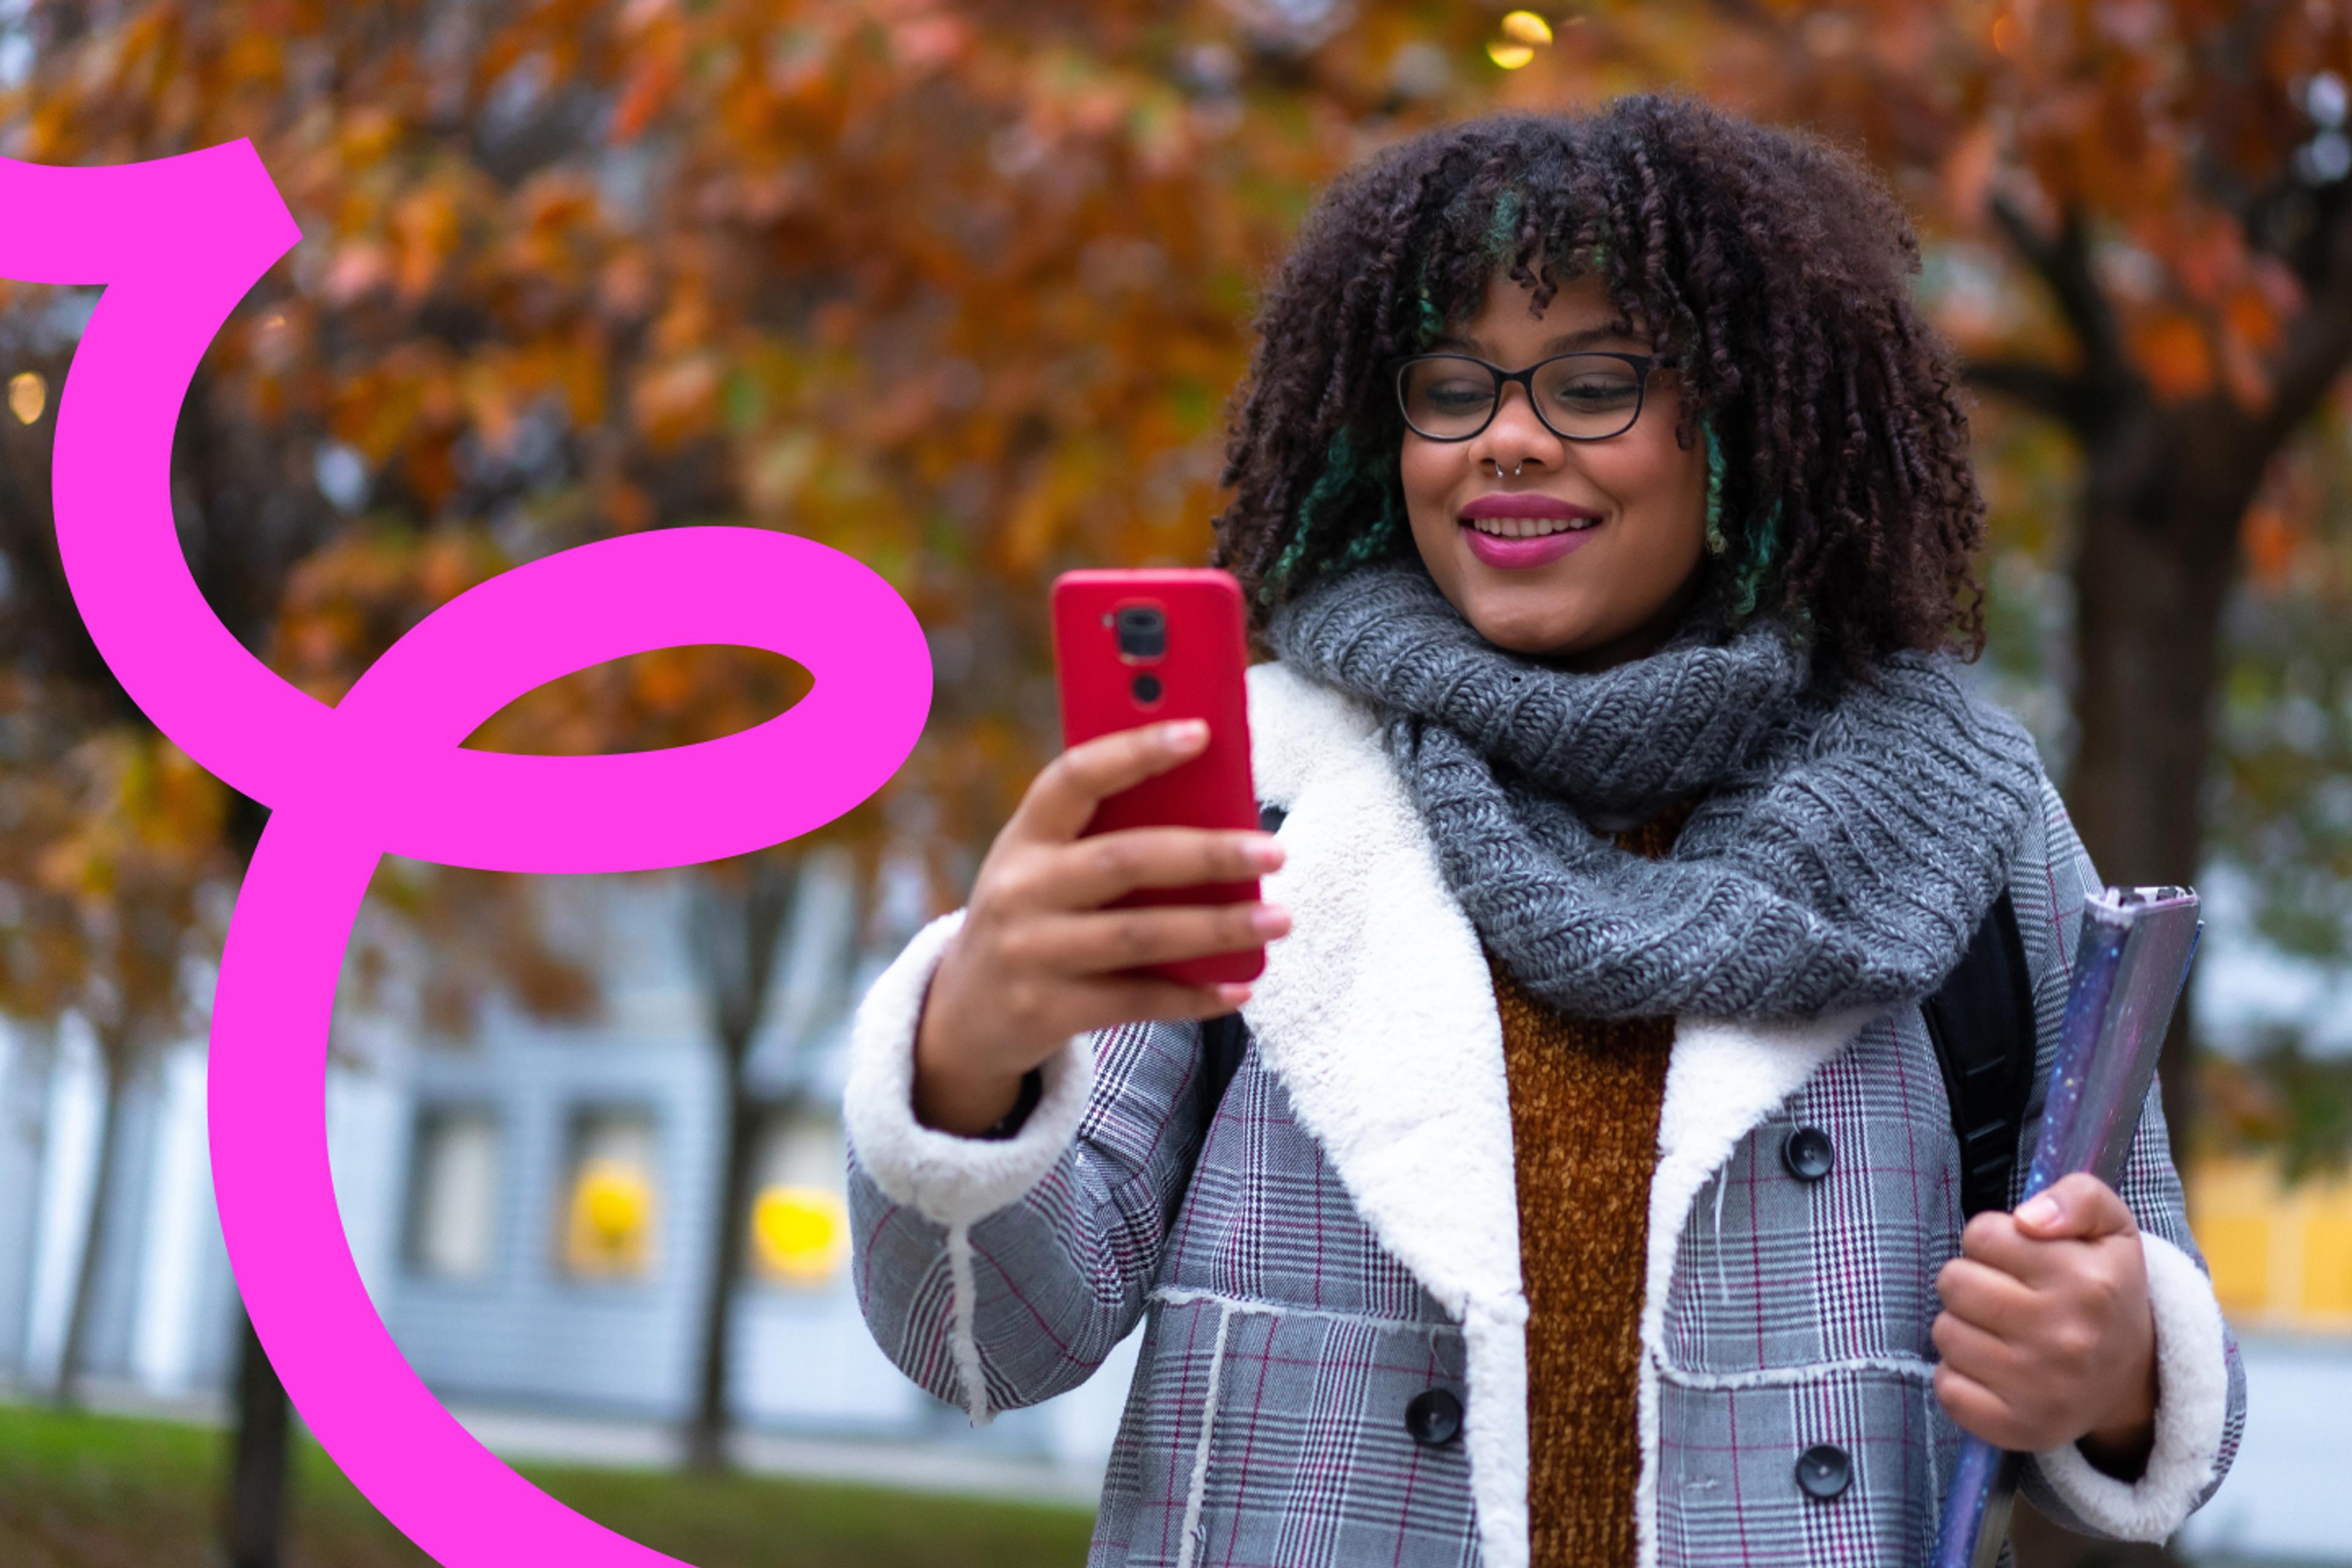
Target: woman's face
(1624, 519)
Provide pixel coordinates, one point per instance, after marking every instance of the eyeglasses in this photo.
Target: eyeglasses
(1578, 396)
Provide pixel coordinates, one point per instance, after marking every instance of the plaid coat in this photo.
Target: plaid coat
(1332, 1270)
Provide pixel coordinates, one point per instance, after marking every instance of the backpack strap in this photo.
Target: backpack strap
(1225, 1038)
(1981, 1021)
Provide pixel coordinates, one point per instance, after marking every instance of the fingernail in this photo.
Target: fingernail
(1270, 920)
(2042, 1210)
(1265, 854)
(1233, 995)
(1184, 732)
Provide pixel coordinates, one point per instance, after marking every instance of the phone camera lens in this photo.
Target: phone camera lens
(1142, 632)
(1146, 688)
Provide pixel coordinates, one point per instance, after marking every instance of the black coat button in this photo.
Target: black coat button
(1824, 1471)
(1808, 1153)
(1433, 1418)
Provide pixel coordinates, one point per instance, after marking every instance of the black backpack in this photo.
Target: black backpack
(1982, 1020)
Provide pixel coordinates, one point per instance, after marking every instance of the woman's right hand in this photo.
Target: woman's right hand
(1038, 958)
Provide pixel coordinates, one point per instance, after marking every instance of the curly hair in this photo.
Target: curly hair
(1840, 494)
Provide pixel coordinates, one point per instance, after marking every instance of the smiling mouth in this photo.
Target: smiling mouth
(1527, 527)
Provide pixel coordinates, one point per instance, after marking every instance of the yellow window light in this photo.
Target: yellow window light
(800, 1236)
(2237, 1248)
(2231, 1202)
(1527, 28)
(610, 1233)
(2280, 1255)
(27, 395)
(2328, 1257)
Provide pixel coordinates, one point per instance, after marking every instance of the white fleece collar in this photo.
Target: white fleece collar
(1378, 1014)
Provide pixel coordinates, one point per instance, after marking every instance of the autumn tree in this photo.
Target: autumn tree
(737, 918)
(113, 882)
(118, 833)
(2138, 224)
(961, 291)
(958, 292)
(2144, 227)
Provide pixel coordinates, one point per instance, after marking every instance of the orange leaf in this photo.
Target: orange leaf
(2270, 545)
(676, 400)
(426, 221)
(2252, 316)
(629, 507)
(2243, 371)
(647, 88)
(927, 43)
(359, 265)
(2174, 350)
(1967, 172)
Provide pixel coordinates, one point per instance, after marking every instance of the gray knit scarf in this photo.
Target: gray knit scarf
(1842, 850)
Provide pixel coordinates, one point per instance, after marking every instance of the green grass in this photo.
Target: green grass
(98, 1491)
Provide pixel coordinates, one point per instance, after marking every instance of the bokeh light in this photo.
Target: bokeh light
(29, 395)
(800, 1234)
(1527, 28)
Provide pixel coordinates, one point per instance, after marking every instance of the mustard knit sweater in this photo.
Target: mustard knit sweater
(1585, 1096)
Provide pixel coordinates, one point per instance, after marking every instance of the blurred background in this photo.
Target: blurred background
(963, 290)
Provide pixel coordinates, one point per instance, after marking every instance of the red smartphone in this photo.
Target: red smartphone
(1140, 647)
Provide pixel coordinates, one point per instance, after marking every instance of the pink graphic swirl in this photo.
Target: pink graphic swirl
(176, 244)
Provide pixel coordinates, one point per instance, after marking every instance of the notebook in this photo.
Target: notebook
(2131, 960)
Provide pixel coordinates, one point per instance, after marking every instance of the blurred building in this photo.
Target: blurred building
(529, 1208)
(530, 1212)
(2281, 1253)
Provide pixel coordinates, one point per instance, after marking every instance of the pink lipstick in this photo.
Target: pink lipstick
(1576, 524)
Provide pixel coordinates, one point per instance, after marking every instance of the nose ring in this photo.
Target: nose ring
(1515, 467)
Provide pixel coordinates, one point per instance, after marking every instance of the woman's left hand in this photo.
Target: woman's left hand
(2046, 1334)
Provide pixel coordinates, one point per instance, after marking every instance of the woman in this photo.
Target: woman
(1587, 1191)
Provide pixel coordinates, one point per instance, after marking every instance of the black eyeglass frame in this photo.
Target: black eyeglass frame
(1642, 365)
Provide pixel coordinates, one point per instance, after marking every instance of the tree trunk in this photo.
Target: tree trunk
(95, 1234)
(2158, 555)
(735, 920)
(706, 1435)
(253, 1508)
(253, 1514)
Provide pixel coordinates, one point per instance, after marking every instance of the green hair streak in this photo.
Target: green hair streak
(1502, 232)
(1746, 577)
(1344, 468)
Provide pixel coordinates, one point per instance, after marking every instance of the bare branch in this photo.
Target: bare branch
(2320, 340)
(2061, 395)
(2064, 263)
